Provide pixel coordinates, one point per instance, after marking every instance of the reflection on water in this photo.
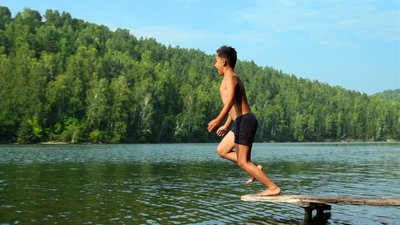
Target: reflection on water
(188, 183)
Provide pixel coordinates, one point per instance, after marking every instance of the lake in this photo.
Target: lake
(189, 183)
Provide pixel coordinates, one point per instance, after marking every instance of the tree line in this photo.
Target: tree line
(64, 79)
(389, 95)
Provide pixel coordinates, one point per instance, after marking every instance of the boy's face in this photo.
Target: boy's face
(219, 64)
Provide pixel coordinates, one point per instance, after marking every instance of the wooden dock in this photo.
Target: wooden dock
(321, 203)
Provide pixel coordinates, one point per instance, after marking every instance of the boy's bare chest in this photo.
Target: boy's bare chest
(223, 90)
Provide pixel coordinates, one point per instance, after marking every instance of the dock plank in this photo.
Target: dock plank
(347, 200)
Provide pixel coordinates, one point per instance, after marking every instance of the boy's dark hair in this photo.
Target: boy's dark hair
(229, 54)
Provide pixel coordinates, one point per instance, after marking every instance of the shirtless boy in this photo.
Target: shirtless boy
(237, 108)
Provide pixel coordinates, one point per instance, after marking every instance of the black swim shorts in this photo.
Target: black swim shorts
(244, 128)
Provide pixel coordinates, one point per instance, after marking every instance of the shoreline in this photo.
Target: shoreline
(270, 142)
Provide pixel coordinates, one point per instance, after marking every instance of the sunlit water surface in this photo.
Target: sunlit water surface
(189, 183)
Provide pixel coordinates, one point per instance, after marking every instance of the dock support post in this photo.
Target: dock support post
(307, 213)
(310, 206)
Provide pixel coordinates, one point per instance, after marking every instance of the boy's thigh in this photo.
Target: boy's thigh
(227, 143)
(243, 151)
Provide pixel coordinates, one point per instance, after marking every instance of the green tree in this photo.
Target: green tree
(29, 130)
(120, 108)
(72, 132)
(5, 17)
(98, 105)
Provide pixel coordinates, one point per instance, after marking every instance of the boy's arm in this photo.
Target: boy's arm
(227, 122)
(222, 129)
(230, 90)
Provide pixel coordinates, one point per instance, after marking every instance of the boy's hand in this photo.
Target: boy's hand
(213, 125)
(221, 131)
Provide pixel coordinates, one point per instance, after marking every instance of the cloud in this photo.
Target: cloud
(327, 21)
(172, 35)
(197, 38)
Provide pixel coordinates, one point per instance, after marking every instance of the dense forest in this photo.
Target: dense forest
(64, 79)
(389, 95)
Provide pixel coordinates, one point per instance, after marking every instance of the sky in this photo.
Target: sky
(354, 44)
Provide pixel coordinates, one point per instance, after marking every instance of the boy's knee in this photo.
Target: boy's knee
(221, 152)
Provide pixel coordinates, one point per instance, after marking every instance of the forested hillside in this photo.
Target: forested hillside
(389, 95)
(65, 79)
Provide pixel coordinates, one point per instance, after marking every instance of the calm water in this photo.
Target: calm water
(189, 183)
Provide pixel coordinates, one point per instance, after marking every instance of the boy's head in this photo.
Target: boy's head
(228, 53)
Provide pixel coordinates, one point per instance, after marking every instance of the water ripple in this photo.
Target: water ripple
(187, 184)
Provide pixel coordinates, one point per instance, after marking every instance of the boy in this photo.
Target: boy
(237, 108)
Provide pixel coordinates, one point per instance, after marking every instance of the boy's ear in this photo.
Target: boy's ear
(225, 62)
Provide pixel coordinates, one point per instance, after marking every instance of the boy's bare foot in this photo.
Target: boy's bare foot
(270, 192)
(252, 179)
